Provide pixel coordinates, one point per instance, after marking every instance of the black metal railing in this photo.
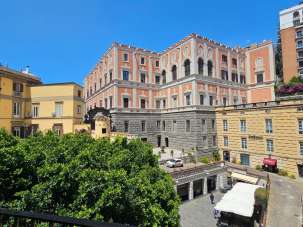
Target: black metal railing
(32, 219)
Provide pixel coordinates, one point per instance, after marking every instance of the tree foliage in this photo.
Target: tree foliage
(78, 176)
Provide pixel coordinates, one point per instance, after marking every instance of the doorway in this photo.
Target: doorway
(198, 187)
(211, 183)
(300, 170)
(182, 191)
(159, 141)
(166, 142)
(226, 156)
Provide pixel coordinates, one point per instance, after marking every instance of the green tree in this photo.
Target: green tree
(77, 176)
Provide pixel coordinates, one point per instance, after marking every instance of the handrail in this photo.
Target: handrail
(44, 217)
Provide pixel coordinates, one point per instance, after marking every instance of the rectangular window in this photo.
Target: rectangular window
(201, 99)
(125, 57)
(235, 100)
(59, 109)
(103, 130)
(260, 78)
(174, 125)
(301, 147)
(213, 124)
(300, 44)
(143, 125)
(234, 77)
(142, 60)
(242, 79)
(224, 58)
(125, 75)
(100, 103)
(224, 75)
(300, 64)
(268, 126)
(125, 126)
(125, 102)
(158, 104)
(143, 77)
(17, 109)
(244, 143)
(163, 126)
(158, 124)
(224, 101)
(143, 102)
(187, 125)
(17, 131)
(234, 62)
(157, 63)
(300, 124)
(299, 33)
(211, 100)
(164, 103)
(225, 141)
(203, 121)
(187, 99)
(244, 158)
(35, 110)
(157, 78)
(174, 101)
(214, 138)
(225, 126)
(300, 54)
(204, 140)
(269, 145)
(243, 125)
(17, 89)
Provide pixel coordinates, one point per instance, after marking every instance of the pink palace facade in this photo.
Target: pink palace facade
(168, 98)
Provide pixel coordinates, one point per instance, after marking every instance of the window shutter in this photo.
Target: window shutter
(14, 86)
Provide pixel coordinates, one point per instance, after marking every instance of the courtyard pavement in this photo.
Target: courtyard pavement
(285, 207)
(199, 211)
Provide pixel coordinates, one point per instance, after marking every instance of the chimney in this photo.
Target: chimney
(26, 70)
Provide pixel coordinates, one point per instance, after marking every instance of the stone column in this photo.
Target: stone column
(205, 186)
(191, 190)
(194, 92)
(229, 65)
(116, 59)
(218, 182)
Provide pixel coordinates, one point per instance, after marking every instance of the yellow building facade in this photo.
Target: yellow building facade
(27, 105)
(263, 134)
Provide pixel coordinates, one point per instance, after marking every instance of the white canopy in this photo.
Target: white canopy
(239, 200)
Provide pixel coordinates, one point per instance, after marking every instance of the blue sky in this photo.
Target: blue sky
(61, 40)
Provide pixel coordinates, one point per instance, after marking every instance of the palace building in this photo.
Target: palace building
(268, 134)
(169, 98)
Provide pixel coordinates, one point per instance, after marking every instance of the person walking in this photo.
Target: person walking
(212, 198)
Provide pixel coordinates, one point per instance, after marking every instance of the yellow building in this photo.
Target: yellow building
(265, 134)
(56, 107)
(14, 93)
(27, 105)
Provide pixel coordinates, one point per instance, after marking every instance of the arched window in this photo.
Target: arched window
(210, 68)
(187, 67)
(174, 72)
(296, 14)
(200, 66)
(163, 77)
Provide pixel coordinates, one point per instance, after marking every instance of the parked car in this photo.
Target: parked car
(174, 163)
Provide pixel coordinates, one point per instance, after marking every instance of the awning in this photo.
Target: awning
(245, 178)
(233, 202)
(270, 162)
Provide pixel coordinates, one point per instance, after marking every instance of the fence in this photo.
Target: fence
(33, 219)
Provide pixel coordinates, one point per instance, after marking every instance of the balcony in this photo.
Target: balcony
(17, 93)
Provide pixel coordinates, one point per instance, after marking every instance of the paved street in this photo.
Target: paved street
(284, 207)
(199, 212)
